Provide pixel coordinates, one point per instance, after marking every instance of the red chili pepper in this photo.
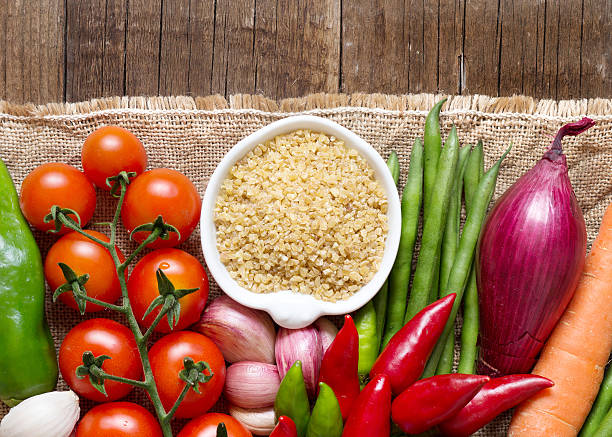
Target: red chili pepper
(284, 428)
(404, 358)
(495, 397)
(339, 366)
(371, 411)
(433, 400)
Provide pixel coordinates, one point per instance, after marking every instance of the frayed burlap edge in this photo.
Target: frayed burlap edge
(419, 102)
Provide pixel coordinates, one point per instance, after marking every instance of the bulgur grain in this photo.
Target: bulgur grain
(302, 212)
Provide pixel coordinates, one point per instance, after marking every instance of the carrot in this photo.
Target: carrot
(576, 353)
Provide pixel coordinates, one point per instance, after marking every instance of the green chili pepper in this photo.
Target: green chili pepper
(469, 330)
(433, 228)
(292, 399)
(602, 405)
(399, 278)
(465, 254)
(326, 419)
(28, 363)
(365, 322)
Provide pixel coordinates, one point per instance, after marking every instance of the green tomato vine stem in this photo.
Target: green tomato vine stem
(148, 384)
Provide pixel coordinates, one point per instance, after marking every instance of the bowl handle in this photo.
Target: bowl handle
(293, 310)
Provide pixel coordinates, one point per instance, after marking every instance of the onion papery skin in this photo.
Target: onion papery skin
(530, 256)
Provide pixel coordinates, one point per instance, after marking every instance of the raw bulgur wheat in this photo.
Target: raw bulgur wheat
(302, 212)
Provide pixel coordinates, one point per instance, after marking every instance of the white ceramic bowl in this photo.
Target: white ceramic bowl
(287, 308)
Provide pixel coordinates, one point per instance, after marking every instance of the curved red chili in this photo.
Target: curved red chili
(495, 397)
(433, 400)
(403, 359)
(339, 367)
(284, 428)
(371, 410)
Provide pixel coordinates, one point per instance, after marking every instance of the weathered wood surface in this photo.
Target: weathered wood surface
(55, 50)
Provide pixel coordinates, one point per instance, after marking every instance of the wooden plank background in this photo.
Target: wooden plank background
(72, 50)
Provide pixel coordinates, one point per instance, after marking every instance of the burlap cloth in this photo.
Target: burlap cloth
(192, 135)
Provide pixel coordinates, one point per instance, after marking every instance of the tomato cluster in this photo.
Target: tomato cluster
(105, 153)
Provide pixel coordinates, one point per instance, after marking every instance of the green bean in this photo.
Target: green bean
(394, 167)
(433, 227)
(473, 173)
(451, 230)
(382, 297)
(450, 242)
(380, 303)
(605, 429)
(365, 322)
(399, 277)
(465, 254)
(471, 323)
(432, 143)
(432, 148)
(602, 405)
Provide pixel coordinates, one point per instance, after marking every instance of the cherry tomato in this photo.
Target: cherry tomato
(206, 426)
(109, 150)
(84, 256)
(166, 357)
(118, 419)
(162, 192)
(56, 184)
(184, 271)
(101, 337)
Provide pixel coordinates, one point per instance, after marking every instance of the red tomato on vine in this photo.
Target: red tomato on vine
(162, 192)
(56, 184)
(166, 357)
(84, 256)
(101, 337)
(206, 426)
(109, 150)
(118, 419)
(184, 271)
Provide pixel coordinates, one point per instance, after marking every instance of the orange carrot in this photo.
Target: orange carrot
(576, 353)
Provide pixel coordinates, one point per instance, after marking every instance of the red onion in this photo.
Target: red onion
(531, 253)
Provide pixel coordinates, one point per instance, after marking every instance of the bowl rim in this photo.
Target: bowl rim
(293, 309)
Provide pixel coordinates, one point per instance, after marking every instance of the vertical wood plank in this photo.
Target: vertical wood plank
(33, 50)
(142, 47)
(520, 57)
(481, 47)
(548, 83)
(234, 63)
(202, 31)
(84, 48)
(3, 35)
(450, 42)
(568, 53)
(174, 55)
(113, 61)
(297, 47)
(421, 23)
(596, 59)
(374, 46)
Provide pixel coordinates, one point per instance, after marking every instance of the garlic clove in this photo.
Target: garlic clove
(48, 414)
(327, 331)
(251, 385)
(300, 344)
(260, 421)
(241, 333)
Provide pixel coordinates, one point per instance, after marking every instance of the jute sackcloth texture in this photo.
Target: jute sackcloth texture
(193, 134)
